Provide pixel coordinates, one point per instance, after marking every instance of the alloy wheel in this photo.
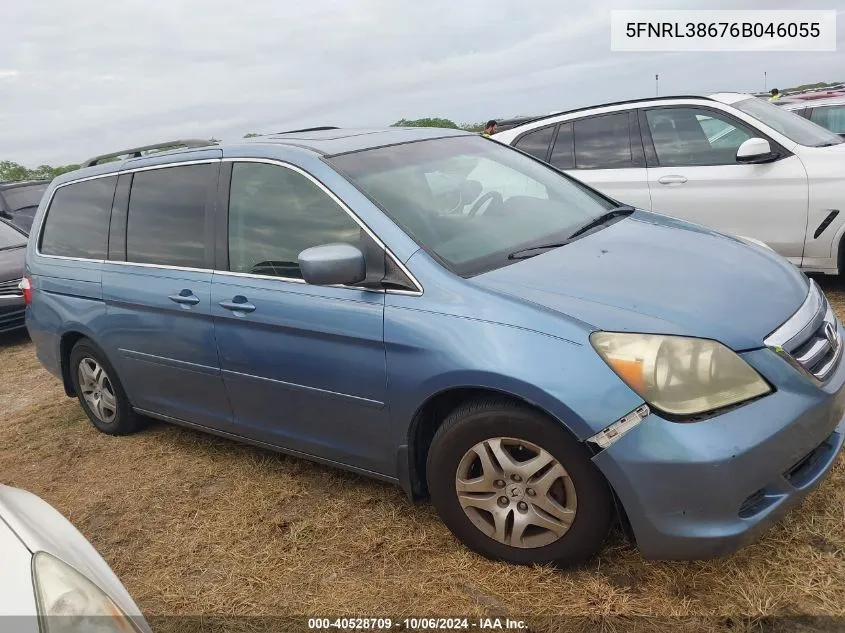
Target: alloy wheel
(516, 492)
(97, 390)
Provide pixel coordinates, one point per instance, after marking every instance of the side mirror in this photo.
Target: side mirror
(755, 150)
(332, 264)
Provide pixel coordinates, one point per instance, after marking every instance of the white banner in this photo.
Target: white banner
(740, 31)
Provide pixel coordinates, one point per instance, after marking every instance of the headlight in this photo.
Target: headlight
(679, 375)
(68, 601)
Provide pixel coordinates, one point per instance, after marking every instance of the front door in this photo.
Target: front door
(304, 366)
(693, 174)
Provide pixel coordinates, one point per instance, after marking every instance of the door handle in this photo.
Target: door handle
(672, 180)
(238, 304)
(185, 298)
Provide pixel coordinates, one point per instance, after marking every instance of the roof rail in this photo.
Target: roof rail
(137, 152)
(612, 103)
(310, 129)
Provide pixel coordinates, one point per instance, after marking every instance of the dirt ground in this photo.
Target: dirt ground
(193, 524)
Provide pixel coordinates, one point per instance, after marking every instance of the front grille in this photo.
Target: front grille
(10, 287)
(818, 354)
(811, 339)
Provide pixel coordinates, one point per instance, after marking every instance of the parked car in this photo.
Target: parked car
(812, 95)
(732, 162)
(539, 358)
(19, 200)
(12, 255)
(829, 112)
(52, 578)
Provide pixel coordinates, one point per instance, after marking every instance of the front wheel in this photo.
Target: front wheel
(513, 485)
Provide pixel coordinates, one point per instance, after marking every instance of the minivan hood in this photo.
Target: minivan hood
(651, 273)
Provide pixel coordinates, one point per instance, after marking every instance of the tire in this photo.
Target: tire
(93, 375)
(581, 509)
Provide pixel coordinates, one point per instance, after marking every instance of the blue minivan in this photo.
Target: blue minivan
(437, 310)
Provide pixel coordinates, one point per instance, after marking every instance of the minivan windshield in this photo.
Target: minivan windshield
(792, 126)
(471, 201)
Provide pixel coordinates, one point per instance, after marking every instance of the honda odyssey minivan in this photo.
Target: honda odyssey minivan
(440, 311)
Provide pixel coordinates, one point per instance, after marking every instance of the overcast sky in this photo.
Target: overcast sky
(91, 76)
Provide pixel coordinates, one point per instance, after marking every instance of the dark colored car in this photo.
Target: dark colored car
(19, 201)
(12, 254)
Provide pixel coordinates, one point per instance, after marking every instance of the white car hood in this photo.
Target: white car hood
(17, 596)
(41, 528)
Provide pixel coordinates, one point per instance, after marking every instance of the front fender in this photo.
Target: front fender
(430, 353)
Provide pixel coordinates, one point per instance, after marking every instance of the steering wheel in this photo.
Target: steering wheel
(490, 195)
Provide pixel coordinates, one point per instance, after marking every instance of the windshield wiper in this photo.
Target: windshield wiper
(532, 251)
(828, 143)
(604, 218)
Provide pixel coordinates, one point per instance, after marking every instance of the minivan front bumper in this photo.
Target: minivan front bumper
(704, 489)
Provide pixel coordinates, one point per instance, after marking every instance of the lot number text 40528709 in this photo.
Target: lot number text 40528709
(416, 624)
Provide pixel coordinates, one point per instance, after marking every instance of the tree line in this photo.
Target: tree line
(13, 172)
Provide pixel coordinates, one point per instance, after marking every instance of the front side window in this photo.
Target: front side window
(275, 213)
(537, 142)
(166, 217)
(603, 142)
(510, 201)
(690, 136)
(77, 222)
(830, 117)
(797, 129)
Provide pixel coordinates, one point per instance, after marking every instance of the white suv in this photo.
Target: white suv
(730, 161)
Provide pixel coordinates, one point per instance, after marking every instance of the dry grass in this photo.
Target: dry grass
(198, 525)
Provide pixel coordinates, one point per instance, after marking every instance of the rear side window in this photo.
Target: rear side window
(77, 223)
(166, 218)
(536, 143)
(274, 214)
(603, 142)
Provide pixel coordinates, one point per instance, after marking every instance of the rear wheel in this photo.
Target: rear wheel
(513, 485)
(99, 391)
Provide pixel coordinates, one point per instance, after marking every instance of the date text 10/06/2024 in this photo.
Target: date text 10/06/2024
(416, 624)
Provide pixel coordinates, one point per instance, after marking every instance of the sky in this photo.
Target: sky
(92, 76)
